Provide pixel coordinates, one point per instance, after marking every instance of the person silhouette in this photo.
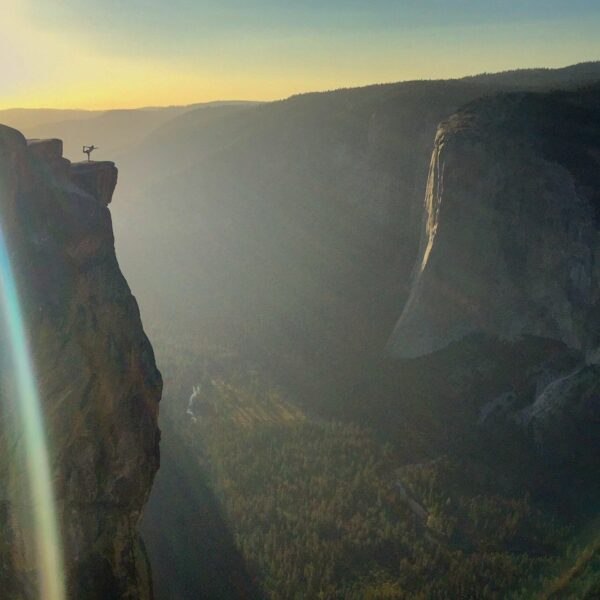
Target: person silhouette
(88, 150)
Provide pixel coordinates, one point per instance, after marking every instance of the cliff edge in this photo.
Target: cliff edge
(97, 380)
(510, 237)
(509, 267)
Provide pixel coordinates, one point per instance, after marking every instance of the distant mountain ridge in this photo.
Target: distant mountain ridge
(112, 130)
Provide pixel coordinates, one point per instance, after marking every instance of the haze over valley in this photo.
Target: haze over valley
(339, 345)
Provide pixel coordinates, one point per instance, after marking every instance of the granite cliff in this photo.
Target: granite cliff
(509, 251)
(98, 383)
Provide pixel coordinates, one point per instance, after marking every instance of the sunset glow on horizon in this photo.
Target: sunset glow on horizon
(89, 55)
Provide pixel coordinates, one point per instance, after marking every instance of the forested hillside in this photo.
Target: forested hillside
(319, 508)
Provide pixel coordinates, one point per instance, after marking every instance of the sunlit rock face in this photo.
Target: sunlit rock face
(96, 374)
(510, 234)
(510, 252)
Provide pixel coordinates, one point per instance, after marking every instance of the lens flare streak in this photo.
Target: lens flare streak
(48, 546)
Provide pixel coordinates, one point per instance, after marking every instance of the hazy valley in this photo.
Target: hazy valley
(388, 300)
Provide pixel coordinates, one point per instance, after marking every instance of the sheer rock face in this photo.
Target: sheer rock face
(95, 370)
(510, 237)
(510, 250)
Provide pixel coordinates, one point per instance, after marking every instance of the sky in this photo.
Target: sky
(99, 54)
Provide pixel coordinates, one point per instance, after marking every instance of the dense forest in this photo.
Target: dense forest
(323, 508)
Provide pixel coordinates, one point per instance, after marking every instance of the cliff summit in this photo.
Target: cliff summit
(96, 375)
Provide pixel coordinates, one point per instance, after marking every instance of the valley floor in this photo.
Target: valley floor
(320, 508)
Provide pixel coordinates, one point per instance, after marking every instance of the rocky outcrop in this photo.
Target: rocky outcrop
(49, 150)
(96, 374)
(49, 155)
(97, 178)
(510, 237)
(564, 412)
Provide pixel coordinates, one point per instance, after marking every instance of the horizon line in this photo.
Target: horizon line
(302, 93)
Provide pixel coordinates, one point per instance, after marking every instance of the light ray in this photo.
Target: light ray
(47, 538)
